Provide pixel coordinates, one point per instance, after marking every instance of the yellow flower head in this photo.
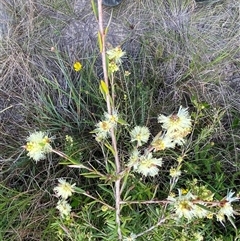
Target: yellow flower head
(148, 166)
(185, 208)
(77, 66)
(220, 217)
(227, 209)
(180, 159)
(101, 136)
(113, 118)
(184, 191)
(38, 145)
(163, 142)
(64, 189)
(112, 67)
(133, 160)
(140, 134)
(104, 126)
(64, 208)
(115, 54)
(200, 212)
(177, 124)
(183, 205)
(175, 172)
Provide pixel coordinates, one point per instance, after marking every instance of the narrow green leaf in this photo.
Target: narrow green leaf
(110, 148)
(78, 166)
(106, 30)
(122, 122)
(102, 90)
(112, 164)
(90, 175)
(104, 87)
(100, 42)
(79, 190)
(94, 8)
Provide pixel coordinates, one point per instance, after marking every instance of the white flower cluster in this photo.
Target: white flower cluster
(146, 164)
(114, 57)
(63, 191)
(140, 134)
(184, 206)
(38, 145)
(189, 206)
(226, 208)
(104, 127)
(176, 127)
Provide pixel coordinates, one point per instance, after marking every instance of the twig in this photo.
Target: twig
(146, 202)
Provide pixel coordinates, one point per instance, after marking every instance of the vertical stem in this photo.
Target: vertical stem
(103, 53)
(110, 110)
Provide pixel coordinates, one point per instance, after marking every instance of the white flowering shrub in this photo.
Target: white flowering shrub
(128, 204)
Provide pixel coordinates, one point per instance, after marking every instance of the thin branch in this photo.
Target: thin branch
(146, 202)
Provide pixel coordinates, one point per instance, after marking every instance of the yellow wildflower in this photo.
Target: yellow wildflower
(77, 66)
